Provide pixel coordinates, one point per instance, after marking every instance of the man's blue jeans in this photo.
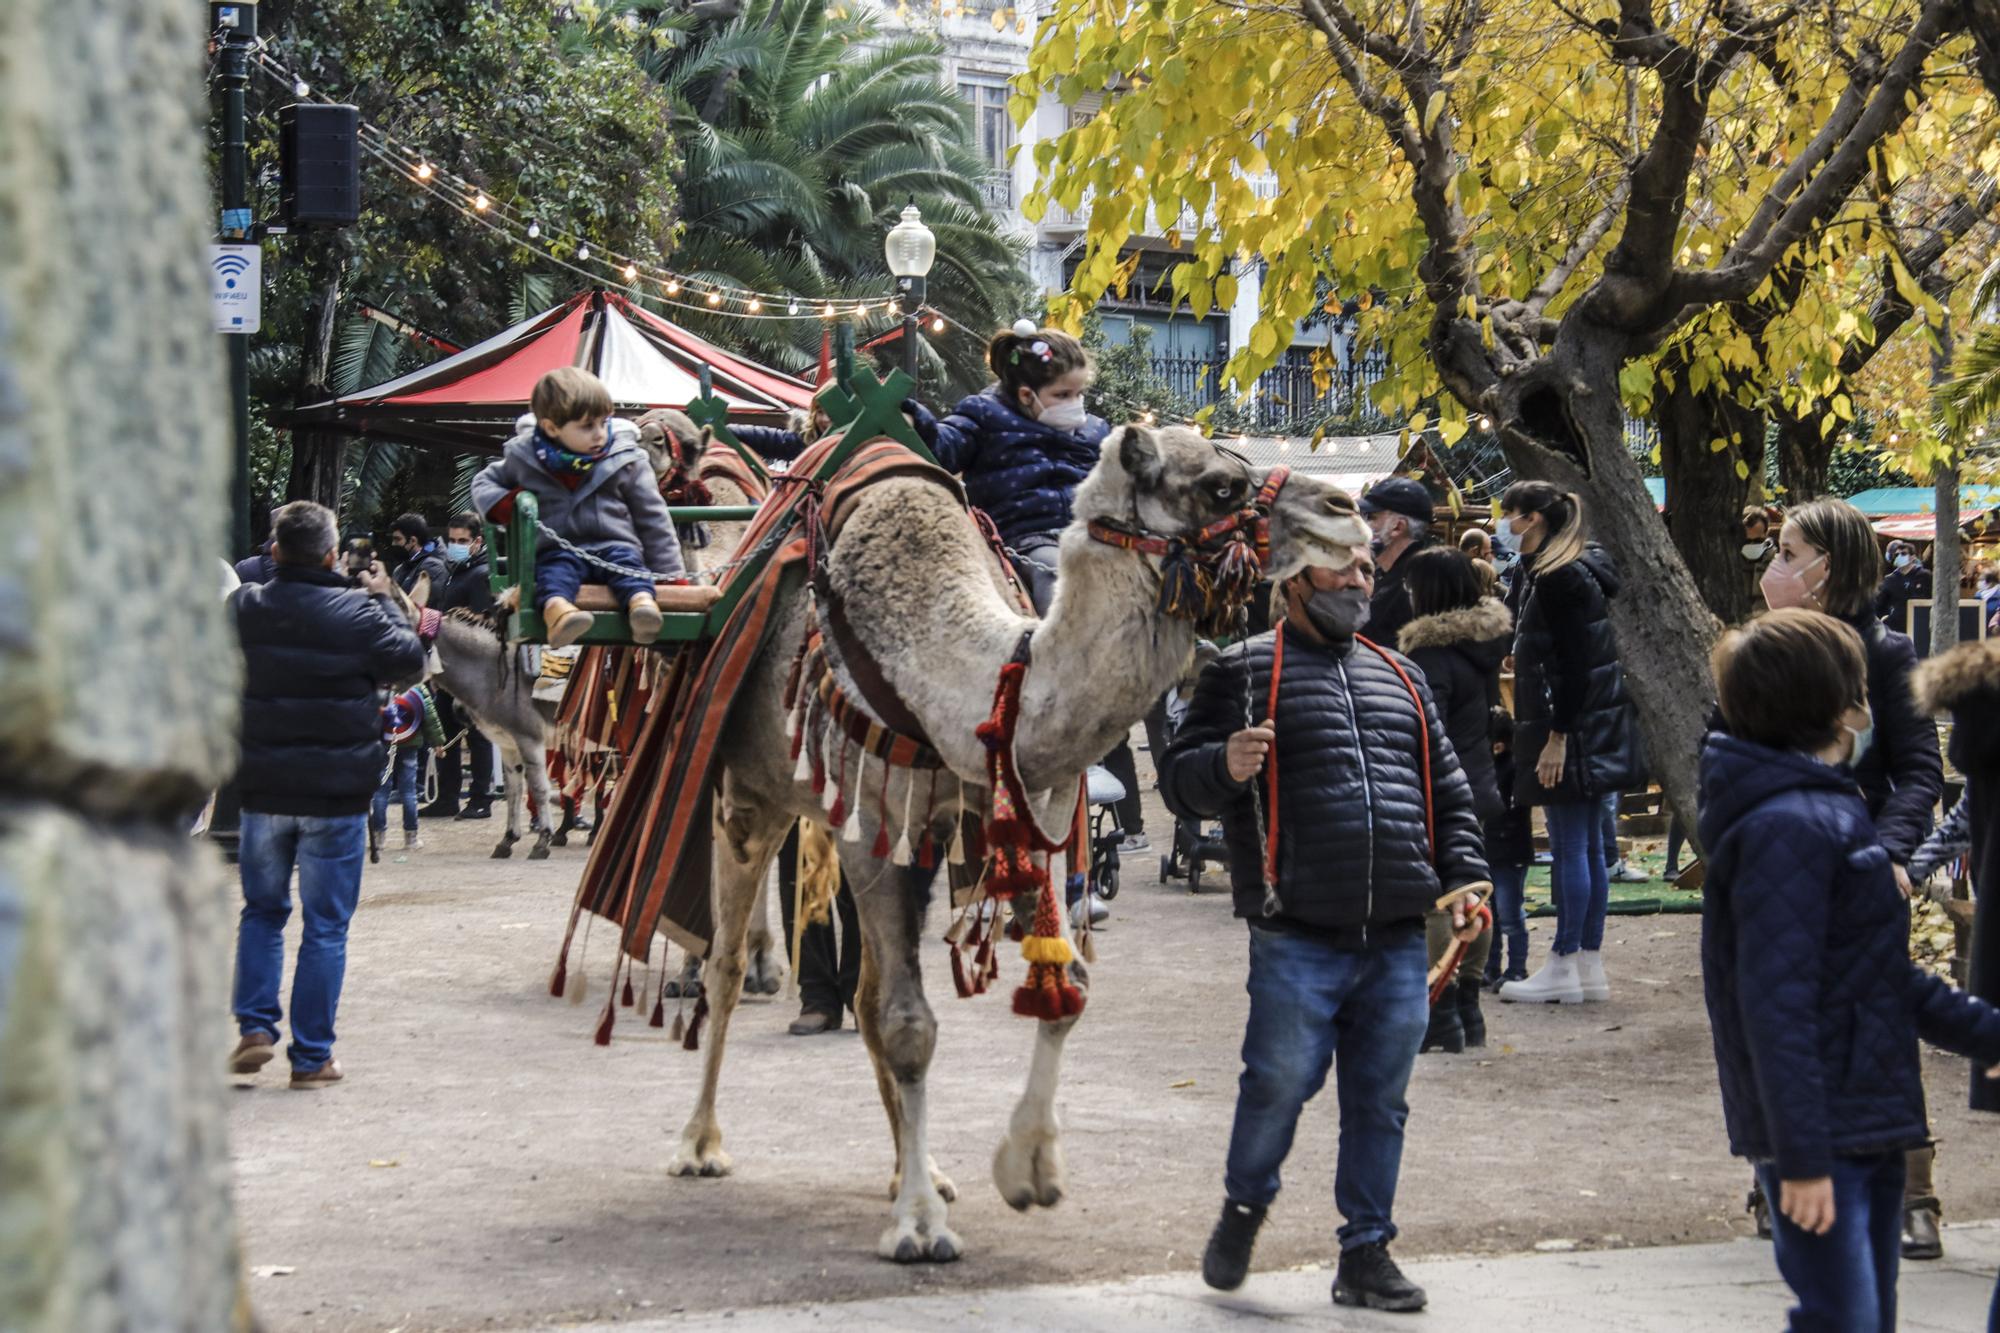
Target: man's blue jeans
(328, 852)
(401, 783)
(560, 574)
(1579, 881)
(1846, 1279)
(1311, 1003)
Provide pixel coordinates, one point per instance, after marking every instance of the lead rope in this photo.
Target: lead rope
(1271, 905)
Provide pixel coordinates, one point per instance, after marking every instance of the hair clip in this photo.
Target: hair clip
(1040, 349)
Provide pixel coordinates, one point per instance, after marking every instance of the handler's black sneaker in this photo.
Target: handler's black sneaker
(1369, 1277)
(1227, 1259)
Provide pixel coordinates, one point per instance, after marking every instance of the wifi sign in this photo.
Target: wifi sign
(235, 275)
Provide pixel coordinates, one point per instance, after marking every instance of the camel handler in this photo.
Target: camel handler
(1347, 819)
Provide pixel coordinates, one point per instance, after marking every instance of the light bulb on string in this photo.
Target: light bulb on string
(480, 202)
(792, 308)
(534, 230)
(828, 312)
(715, 298)
(631, 271)
(301, 89)
(754, 305)
(582, 253)
(423, 171)
(937, 325)
(673, 287)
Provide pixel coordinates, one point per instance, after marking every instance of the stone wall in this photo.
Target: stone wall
(118, 679)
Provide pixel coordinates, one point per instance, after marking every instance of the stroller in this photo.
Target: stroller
(1195, 843)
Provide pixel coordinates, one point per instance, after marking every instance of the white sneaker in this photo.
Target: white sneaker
(1133, 844)
(1099, 913)
(1590, 976)
(413, 842)
(1555, 982)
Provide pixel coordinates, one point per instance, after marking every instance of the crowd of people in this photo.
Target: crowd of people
(1373, 776)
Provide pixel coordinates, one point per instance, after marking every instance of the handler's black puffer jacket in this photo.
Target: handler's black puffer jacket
(1352, 849)
(1567, 679)
(317, 652)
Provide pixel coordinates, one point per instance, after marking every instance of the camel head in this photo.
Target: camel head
(1174, 481)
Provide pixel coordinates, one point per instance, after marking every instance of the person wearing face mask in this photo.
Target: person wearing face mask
(1813, 1001)
(1828, 560)
(1023, 445)
(1576, 740)
(1906, 581)
(1399, 513)
(422, 572)
(1334, 866)
(1758, 548)
(466, 585)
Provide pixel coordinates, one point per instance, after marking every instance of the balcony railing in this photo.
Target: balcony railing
(998, 191)
(1287, 399)
(1187, 221)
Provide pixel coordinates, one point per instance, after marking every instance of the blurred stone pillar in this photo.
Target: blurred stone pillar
(118, 680)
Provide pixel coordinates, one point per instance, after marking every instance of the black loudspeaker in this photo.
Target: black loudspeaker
(319, 165)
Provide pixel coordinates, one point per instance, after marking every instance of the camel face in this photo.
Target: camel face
(669, 437)
(1174, 481)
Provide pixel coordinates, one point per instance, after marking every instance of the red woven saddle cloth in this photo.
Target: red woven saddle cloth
(649, 869)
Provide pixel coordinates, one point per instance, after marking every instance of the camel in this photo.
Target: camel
(932, 610)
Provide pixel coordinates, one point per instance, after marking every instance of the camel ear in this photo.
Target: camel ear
(1139, 454)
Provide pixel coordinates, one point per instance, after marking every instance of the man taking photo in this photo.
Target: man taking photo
(1346, 818)
(317, 653)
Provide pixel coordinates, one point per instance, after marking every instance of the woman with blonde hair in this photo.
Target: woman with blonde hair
(1576, 738)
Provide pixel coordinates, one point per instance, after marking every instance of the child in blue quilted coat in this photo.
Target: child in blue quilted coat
(1814, 1003)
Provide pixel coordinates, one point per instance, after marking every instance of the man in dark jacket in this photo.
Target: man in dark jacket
(1361, 852)
(1907, 581)
(466, 585)
(318, 652)
(1399, 512)
(259, 568)
(422, 574)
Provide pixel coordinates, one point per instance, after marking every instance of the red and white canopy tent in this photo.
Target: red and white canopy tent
(469, 401)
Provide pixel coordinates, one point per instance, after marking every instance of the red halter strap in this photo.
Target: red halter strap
(1253, 520)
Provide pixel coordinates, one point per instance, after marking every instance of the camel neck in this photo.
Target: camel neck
(1102, 656)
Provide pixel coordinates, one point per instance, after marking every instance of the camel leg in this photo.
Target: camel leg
(1028, 1164)
(867, 1012)
(892, 903)
(743, 851)
(535, 766)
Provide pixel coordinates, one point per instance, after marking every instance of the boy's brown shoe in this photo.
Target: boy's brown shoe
(326, 1075)
(643, 613)
(252, 1053)
(566, 623)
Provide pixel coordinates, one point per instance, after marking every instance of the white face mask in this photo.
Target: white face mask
(1066, 415)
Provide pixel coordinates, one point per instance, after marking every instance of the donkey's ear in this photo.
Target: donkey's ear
(1139, 454)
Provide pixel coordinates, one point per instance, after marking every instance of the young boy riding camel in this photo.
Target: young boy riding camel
(596, 490)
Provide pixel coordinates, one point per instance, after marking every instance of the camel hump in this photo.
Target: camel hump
(876, 461)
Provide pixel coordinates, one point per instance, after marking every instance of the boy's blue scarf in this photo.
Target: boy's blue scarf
(566, 466)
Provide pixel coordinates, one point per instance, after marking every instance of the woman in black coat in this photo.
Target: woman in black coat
(1828, 560)
(1459, 638)
(1577, 739)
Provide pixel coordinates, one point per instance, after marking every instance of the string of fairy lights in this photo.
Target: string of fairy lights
(563, 248)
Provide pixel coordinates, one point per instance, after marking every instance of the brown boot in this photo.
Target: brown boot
(252, 1053)
(325, 1076)
(565, 622)
(643, 614)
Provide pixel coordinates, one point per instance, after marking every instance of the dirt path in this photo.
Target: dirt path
(485, 1165)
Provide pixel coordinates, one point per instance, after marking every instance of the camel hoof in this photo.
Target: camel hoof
(540, 851)
(560, 839)
(1029, 1173)
(906, 1243)
(503, 851)
(765, 975)
(710, 1165)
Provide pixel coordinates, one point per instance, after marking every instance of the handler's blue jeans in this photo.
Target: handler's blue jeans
(560, 574)
(328, 852)
(1846, 1279)
(1311, 1003)
(1579, 879)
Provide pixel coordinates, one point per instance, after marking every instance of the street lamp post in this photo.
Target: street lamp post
(235, 29)
(910, 249)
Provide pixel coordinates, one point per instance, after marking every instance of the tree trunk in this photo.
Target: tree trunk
(1563, 423)
(1805, 460)
(319, 457)
(1705, 497)
(1945, 558)
(118, 683)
